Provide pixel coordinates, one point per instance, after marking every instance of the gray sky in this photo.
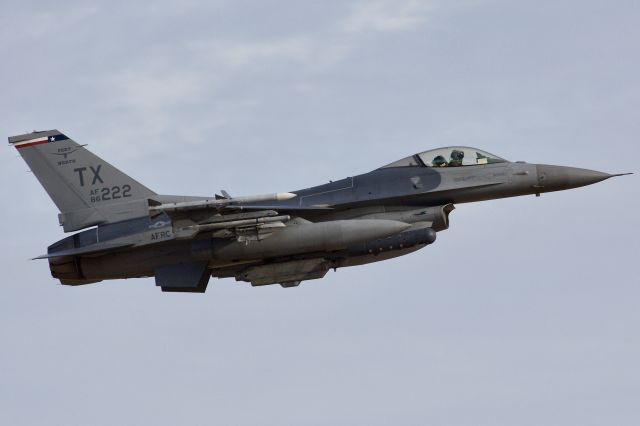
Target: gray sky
(525, 312)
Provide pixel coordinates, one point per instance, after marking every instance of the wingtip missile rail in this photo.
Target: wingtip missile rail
(219, 203)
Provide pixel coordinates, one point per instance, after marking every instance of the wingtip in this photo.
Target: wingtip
(620, 174)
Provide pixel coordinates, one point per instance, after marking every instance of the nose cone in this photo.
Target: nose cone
(558, 178)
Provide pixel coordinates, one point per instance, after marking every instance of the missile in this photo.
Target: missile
(279, 196)
(218, 218)
(235, 223)
(212, 203)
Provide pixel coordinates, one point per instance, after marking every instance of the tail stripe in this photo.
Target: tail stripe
(40, 141)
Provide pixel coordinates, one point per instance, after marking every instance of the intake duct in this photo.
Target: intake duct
(437, 217)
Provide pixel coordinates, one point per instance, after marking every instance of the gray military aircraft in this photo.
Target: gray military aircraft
(280, 238)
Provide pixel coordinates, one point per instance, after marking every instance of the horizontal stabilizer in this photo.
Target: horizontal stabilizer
(92, 249)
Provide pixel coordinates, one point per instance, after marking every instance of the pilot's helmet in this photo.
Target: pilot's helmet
(457, 155)
(439, 161)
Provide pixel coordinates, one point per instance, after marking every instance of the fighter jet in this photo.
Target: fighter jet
(129, 231)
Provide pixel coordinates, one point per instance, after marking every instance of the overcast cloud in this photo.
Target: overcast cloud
(525, 312)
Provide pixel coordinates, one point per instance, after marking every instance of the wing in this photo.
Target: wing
(243, 218)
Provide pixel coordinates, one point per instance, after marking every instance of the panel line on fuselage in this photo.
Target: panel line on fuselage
(327, 192)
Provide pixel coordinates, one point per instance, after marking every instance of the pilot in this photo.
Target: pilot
(439, 161)
(456, 158)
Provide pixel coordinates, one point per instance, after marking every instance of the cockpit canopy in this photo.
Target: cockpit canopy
(454, 156)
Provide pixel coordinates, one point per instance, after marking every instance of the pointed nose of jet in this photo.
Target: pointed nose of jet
(558, 178)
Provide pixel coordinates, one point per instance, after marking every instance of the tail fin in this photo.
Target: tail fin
(86, 189)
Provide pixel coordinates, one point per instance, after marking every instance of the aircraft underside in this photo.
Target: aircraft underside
(303, 251)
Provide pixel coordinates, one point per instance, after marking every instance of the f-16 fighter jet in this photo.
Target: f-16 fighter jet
(129, 231)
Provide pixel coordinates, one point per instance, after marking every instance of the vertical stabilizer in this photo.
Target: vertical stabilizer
(86, 189)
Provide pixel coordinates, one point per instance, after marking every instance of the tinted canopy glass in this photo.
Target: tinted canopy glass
(453, 156)
(457, 157)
